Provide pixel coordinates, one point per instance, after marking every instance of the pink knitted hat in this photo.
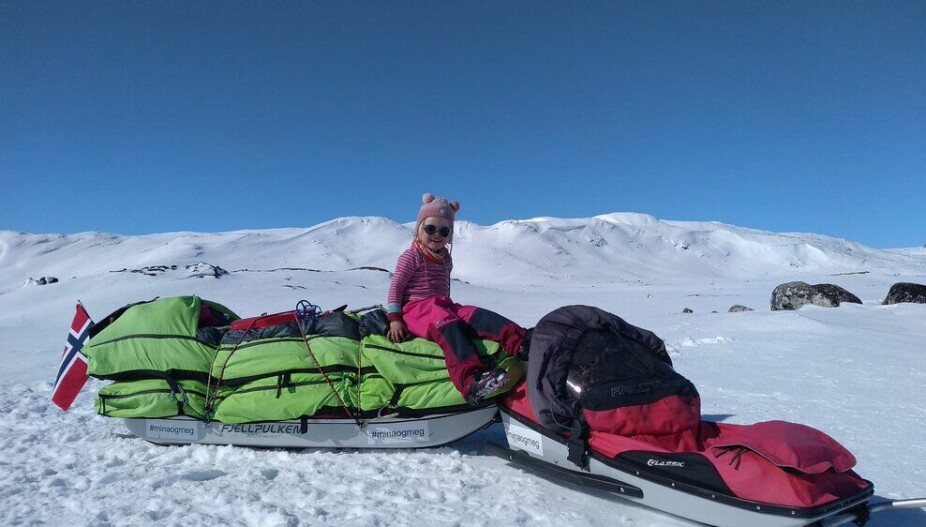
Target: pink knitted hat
(437, 208)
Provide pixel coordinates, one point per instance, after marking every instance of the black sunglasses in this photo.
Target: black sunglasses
(431, 229)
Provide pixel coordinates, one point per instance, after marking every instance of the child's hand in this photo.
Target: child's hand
(397, 332)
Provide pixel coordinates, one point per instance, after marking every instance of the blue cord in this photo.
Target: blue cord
(306, 309)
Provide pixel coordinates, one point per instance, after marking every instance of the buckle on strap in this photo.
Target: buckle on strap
(577, 445)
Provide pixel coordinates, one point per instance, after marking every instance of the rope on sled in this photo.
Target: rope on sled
(357, 311)
(306, 310)
(212, 396)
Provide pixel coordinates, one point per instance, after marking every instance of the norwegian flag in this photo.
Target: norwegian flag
(72, 374)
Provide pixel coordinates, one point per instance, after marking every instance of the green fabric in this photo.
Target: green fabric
(440, 394)
(151, 398)
(414, 361)
(275, 356)
(373, 393)
(268, 400)
(433, 394)
(165, 316)
(150, 340)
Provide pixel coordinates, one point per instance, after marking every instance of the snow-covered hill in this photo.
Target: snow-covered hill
(855, 371)
(620, 246)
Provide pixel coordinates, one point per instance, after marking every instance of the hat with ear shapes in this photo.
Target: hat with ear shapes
(437, 207)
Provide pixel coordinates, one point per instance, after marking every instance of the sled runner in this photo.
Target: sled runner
(381, 432)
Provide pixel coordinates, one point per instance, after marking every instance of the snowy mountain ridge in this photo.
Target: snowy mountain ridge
(618, 246)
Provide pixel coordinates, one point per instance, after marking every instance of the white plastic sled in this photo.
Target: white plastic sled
(380, 432)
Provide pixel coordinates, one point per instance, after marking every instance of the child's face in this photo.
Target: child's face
(434, 241)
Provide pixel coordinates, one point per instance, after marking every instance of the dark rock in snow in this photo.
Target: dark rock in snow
(793, 295)
(152, 270)
(738, 309)
(198, 270)
(203, 270)
(42, 280)
(687, 310)
(906, 292)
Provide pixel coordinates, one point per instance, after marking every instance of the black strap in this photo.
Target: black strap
(394, 401)
(303, 425)
(283, 381)
(578, 444)
(176, 389)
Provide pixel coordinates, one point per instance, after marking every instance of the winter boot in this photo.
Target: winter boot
(485, 383)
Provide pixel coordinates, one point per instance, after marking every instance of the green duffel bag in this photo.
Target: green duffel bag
(157, 339)
(152, 398)
(246, 355)
(414, 361)
(435, 395)
(288, 396)
(430, 395)
(373, 393)
(417, 371)
(272, 357)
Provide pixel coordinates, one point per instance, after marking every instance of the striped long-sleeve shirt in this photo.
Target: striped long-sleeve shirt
(418, 276)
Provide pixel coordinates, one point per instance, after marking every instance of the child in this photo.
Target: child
(419, 303)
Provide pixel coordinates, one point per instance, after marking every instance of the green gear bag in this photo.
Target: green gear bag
(265, 374)
(278, 399)
(373, 393)
(428, 395)
(153, 340)
(151, 398)
(442, 394)
(415, 361)
(237, 364)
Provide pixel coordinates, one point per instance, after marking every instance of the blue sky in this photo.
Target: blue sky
(142, 117)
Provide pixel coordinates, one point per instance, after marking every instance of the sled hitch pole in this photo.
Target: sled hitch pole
(856, 517)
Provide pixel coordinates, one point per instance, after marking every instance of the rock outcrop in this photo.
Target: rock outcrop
(793, 295)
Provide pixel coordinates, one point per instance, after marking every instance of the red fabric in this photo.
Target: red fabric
(753, 477)
(427, 318)
(420, 315)
(812, 470)
(788, 445)
(207, 316)
(264, 320)
(509, 336)
(517, 401)
(669, 415)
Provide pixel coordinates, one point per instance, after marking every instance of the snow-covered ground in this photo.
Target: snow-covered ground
(856, 372)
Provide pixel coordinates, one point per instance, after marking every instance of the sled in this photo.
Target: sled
(540, 451)
(380, 432)
(535, 449)
(602, 407)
